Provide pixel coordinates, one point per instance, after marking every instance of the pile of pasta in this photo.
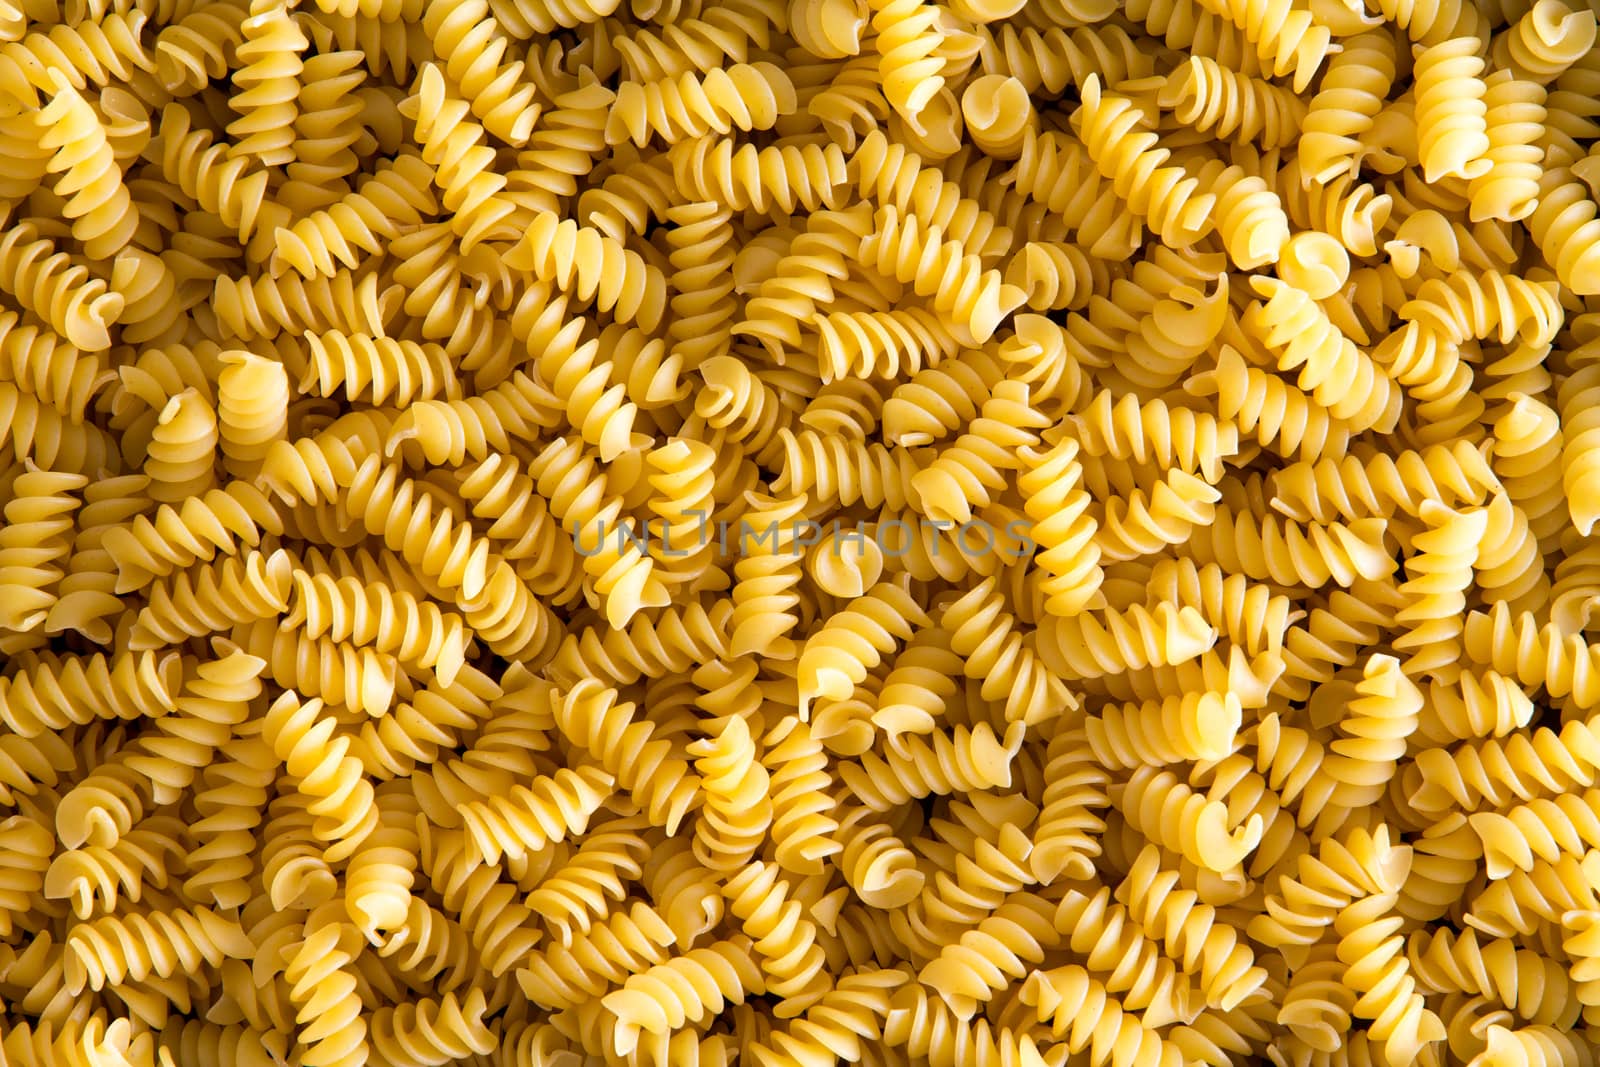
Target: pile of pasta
(789, 532)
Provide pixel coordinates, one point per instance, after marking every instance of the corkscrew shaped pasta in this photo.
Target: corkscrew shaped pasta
(1055, 57)
(1164, 809)
(776, 178)
(500, 928)
(531, 818)
(1438, 576)
(1361, 486)
(1063, 527)
(463, 164)
(742, 96)
(1065, 842)
(1466, 305)
(1087, 1018)
(925, 1027)
(97, 202)
(1300, 906)
(649, 648)
(965, 475)
(625, 942)
(919, 686)
(1479, 704)
(1142, 524)
(840, 1024)
(1515, 116)
(1123, 428)
(802, 826)
(470, 42)
(1169, 200)
(214, 701)
(115, 949)
(883, 344)
(838, 656)
(1192, 727)
(1379, 714)
(938, 763)
(269, 55)
(986, 959)
(1270, 549)
(1212, 951)
(1287, 41)
(1450, 112)
(35, 543)
(590, 716)
(213, 598)
(908, 70)
(382, 872)
(784, 939)
(340, 797)
(1536, 987)
(1541, 829)
(591, 266)
(1109, 641)
(1546, 41)
(972, 300)
(829, 467)
(263, 307)
(587, 887)
(45, 366)
(48, 694)
(992, 652)
(388, 620)
(71, 302)
(1351, 95)
(1373, 951)
(682, 990)
(1204, 94)
(319, 244)
(702, 260)
(738, 804)
(325, 991)
(1350, 384)
(430, 1031)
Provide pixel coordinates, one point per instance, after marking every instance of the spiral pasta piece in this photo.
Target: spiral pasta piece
(992, 652)
(906, 40)
(970, 298)
(341, 798)
(783, 938)
(1287, 41)
(624, 943)
(838, 656)
(532, 817)
(1169, 200)
(743, 96)
(1546, 41)
(941, 764)
(1087, 1017)
(739, 807)
(324, 992)
(73, 304)
(590, 715)
(682, 990)
(97, 202)
(469, 41)
(113, 950)
(270, 56)
(964, 476)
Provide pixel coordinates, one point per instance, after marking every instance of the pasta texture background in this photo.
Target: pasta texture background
(981, 533)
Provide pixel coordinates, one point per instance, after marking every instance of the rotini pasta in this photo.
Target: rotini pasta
(963, 532)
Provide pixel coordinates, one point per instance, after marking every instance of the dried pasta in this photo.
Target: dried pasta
(797, 532)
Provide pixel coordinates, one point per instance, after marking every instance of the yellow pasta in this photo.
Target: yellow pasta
(791, 532)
